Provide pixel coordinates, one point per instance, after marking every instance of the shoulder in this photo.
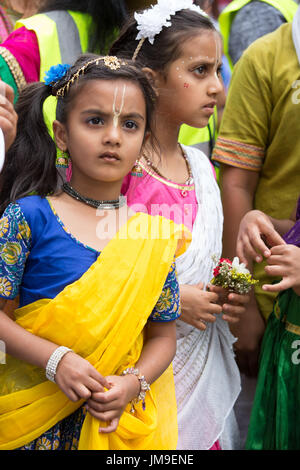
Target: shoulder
(34, 208)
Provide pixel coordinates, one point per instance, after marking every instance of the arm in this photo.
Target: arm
(157, 354)
(238, 188)
(75, 376)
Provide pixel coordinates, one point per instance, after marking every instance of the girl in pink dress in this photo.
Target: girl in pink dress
(179, 49)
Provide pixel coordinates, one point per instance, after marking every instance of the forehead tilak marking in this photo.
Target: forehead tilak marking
(115, 112)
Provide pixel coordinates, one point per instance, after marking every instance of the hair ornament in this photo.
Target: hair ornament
(151, 21)
(56, 73)
(111, 62)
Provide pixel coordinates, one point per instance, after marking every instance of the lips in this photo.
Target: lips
(211, 105)
(108, 156)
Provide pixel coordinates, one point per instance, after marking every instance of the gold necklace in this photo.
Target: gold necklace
(190, 179)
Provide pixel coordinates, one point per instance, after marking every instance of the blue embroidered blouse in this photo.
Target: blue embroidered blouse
(39, 258)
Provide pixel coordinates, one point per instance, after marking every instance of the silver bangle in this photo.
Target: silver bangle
(144, 387)
(54, 360)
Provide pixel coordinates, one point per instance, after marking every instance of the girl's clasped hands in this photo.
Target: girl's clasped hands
(106, 397)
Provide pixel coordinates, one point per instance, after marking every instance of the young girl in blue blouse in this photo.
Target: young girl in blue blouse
(96, 307)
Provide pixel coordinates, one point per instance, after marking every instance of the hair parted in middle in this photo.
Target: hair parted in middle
(167, 44)
(30, 162)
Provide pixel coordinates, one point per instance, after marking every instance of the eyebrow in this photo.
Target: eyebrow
(124, 116)
(203, 60)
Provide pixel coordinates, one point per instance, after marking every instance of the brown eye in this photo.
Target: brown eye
(131, 125)
(95, 121)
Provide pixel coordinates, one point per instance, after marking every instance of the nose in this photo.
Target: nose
(112, 135)
(215, 84)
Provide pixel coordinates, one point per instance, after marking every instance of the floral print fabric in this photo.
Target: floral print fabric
(15, 238)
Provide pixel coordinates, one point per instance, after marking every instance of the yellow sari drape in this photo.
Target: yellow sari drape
(101, 317)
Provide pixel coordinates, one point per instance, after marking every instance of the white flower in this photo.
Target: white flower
(151, 21)
(239, 267)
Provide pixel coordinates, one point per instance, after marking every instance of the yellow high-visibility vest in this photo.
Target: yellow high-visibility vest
(62, 36)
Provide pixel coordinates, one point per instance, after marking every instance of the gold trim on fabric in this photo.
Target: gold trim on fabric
(288, 326)
(181, 187)
(14, 68)
(292, 328)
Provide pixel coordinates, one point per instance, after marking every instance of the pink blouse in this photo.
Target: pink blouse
(155, 195)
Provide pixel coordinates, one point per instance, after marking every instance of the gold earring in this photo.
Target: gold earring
(62, 159)
(137, 170)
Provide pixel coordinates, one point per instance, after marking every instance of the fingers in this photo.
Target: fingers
(277, 271)
(8, 92)
(113, 425)
(8, 116)
(100, 407)
(233, 313)
(104, 413)
(238, 299)
(99, 378)
(274, 239)
(245, 251)
(280, 286)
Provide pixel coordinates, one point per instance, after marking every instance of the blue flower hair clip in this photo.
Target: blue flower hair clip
(56, 73)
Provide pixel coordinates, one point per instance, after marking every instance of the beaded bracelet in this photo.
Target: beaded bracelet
(54, 360)
(143, 384)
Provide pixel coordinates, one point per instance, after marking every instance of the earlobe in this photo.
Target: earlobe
(60, 135)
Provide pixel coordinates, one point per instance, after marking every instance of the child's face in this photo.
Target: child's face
(188, 93)
(105, 130)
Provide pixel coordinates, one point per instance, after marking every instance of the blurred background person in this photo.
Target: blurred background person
(244, 21)
(59, 32)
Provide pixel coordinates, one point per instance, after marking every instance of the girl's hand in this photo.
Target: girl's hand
(109, 406)
(284, 262)
(256, 235)
(77, 378)
(198, 306)
(8, 116)
(233, 305)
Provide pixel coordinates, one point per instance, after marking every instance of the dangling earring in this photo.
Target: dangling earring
(137, 170)
(62, 159)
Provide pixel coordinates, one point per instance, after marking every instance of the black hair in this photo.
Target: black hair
(30, 162)
(108, 16)
(167, 44)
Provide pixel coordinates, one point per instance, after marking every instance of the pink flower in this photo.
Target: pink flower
(226, 260)
(216, 271)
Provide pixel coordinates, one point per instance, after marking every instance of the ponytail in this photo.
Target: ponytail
(30, 162)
